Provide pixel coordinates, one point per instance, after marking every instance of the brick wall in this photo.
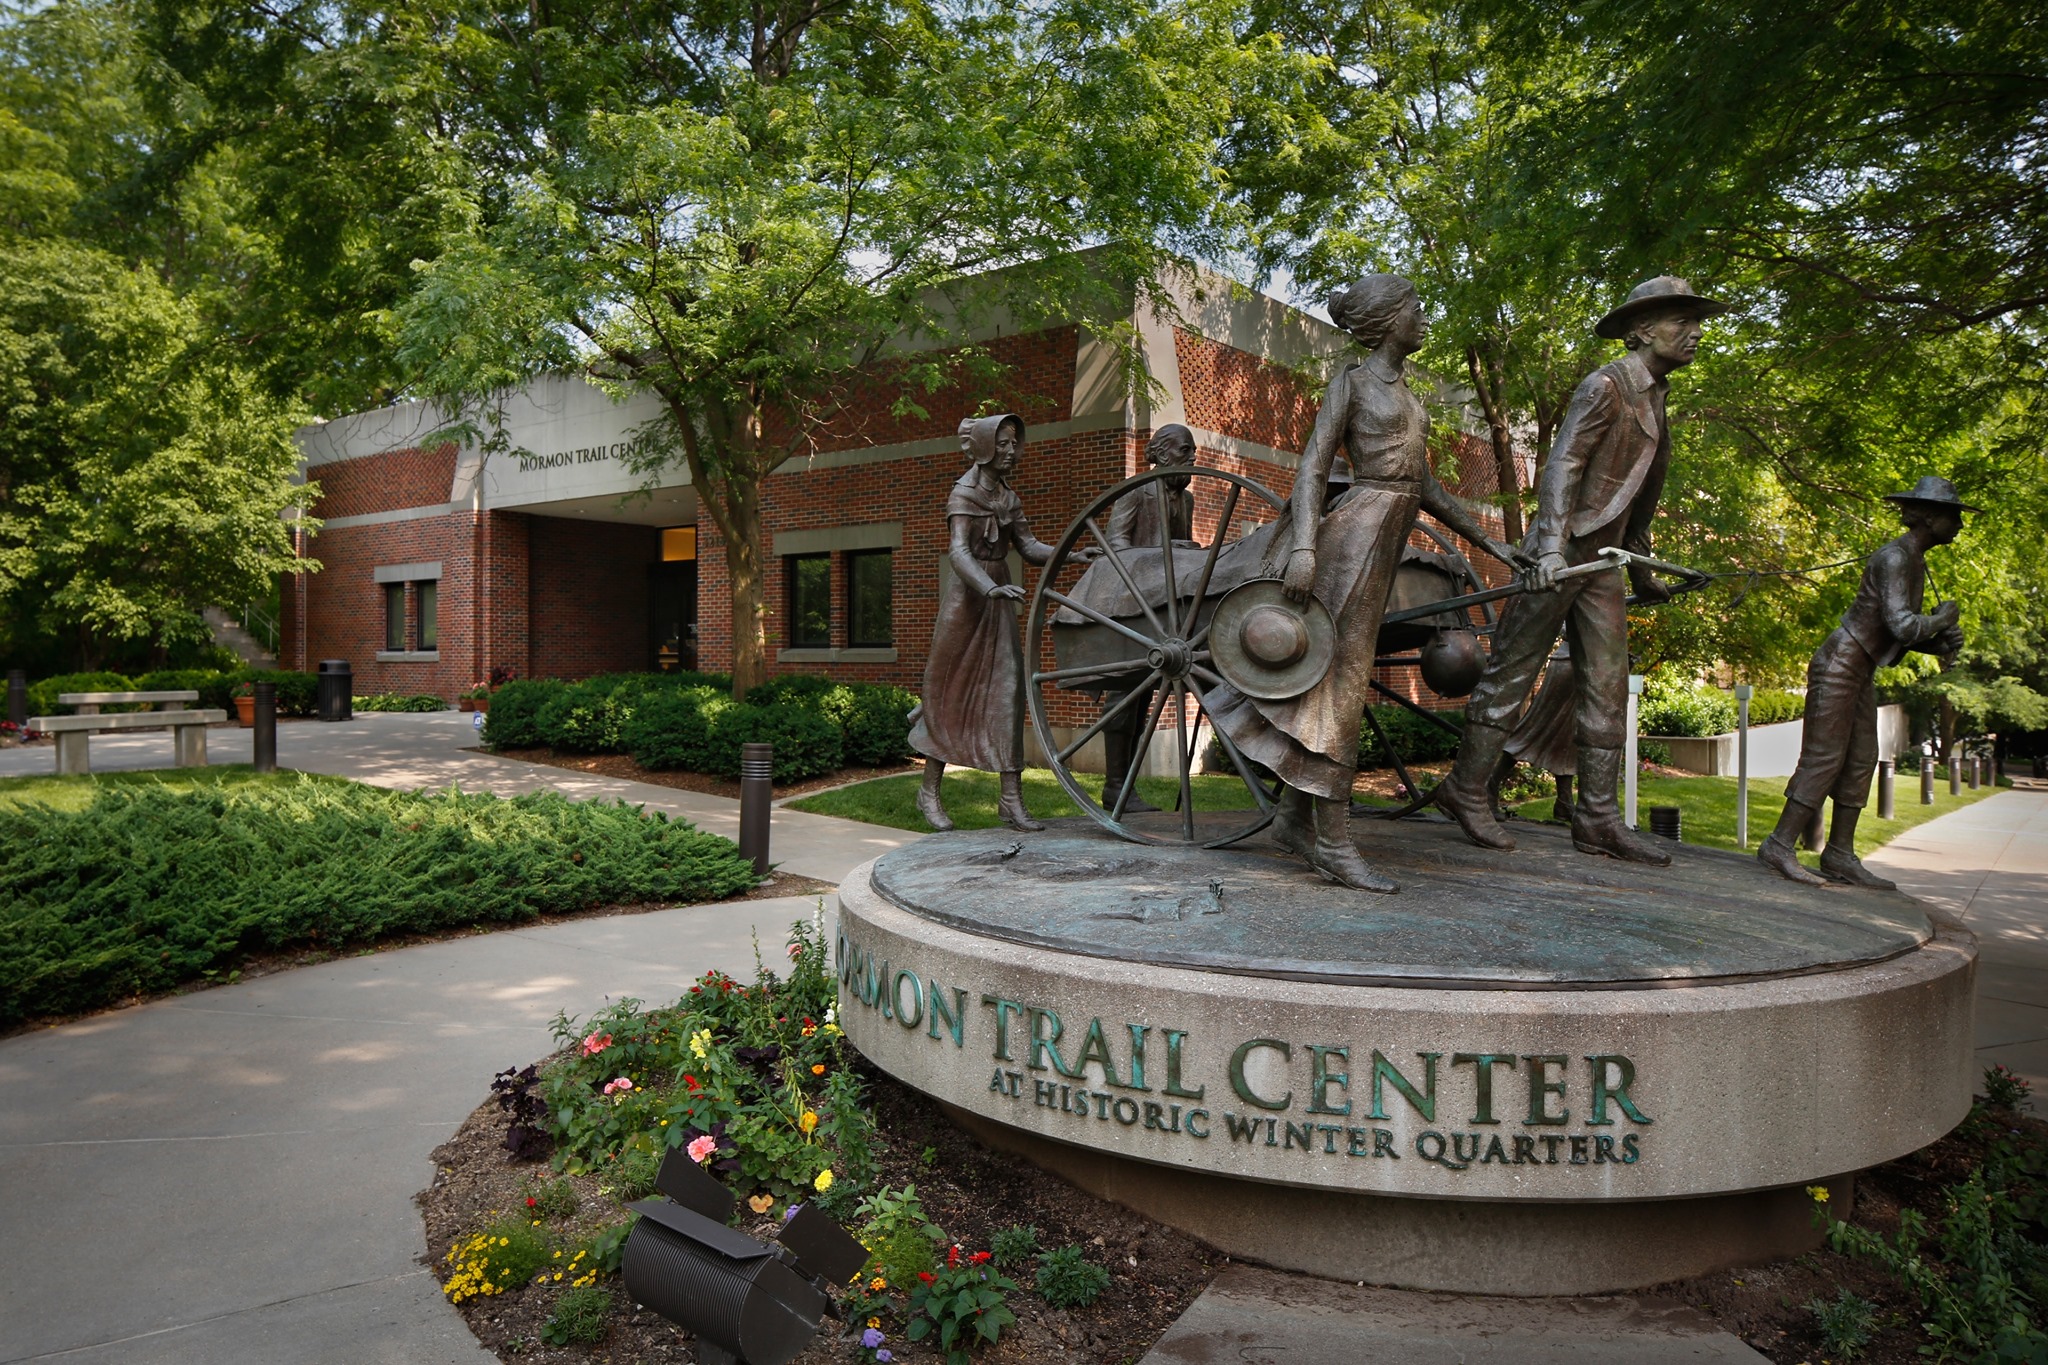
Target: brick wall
(1239, 394)
(384, 483)
(587, 599)
(344, 604)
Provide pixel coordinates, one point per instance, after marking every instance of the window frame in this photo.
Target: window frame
(854, 639)
(791, 583)
(426, 614)
(394, 620)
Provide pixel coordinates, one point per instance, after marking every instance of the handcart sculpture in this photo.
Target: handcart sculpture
(1120, 632)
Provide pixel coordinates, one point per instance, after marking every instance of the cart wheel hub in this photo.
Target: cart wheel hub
(1171, 657)
(1274, 637)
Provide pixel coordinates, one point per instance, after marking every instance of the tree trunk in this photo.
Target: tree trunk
(1947, 724)
(1485, 382)
(744, 569)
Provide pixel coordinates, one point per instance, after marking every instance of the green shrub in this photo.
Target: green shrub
(671, 727)
(962, 1306)
(554, 1200)
(1653, 751)
(394, 701)
(501, 1257)
(1418, 740)
(297, 693)
(1066, 1279)
(1846, 1323)
(42, 696)
(1775, 706)
(200, 680)
(146, 887)
(807, 743)
(631, 1174)
(876, 724)
(1673, 705)
(1014, 1245)
(579, 1317)
(586, 717)
(513, 722)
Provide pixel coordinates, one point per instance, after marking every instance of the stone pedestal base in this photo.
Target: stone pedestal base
(1528, 1073)
(1453, 1245)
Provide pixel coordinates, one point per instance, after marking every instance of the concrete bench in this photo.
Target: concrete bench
(89, 703)
(74, 733)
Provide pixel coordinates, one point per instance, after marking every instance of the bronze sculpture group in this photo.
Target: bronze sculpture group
(1298, 605)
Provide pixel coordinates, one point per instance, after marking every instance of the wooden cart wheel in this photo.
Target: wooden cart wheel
(1166, 656)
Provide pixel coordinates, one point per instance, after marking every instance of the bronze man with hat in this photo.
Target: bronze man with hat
(1838, 749)
(1599, 489)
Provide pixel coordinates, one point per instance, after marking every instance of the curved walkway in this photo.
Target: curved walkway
(227, 1176)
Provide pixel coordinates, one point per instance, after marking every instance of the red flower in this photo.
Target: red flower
(531, 1202)
(926, 1276)
(691, 1081)
(696, 990)
(979, 1257)
(952, 1255)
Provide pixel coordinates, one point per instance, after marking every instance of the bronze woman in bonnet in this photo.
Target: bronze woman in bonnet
(1345, 556)
(972, 713)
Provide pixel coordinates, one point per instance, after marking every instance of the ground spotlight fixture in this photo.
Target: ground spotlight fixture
(748, 1302)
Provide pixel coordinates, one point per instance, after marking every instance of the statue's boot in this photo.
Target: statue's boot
(1010, 808)
(1780, 852)
(1838, 861)
(1463, 793)
(928, 803)
(1334, 855)
(1596, 816)
(1294, 822)
(1117, 743)
(1561, 810)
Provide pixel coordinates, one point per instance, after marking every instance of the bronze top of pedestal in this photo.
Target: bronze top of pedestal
(1542, 917)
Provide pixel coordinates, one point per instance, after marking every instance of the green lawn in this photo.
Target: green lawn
(1707, 809)
(971, 798)
(76, 793)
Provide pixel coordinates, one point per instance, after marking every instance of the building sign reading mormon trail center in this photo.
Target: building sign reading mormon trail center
(1193, 1089)
(581, 455)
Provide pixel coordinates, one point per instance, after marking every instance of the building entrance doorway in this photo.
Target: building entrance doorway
(672, 602)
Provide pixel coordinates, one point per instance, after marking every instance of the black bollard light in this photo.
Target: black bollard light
(1666, 821)
(17, 696)
(1886, 768)
(1927, 773)
(1973, 768)
(265, 735)
(757, 797)
(748, 1302)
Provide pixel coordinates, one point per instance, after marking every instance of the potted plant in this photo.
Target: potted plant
(245, 704)
(477, 698)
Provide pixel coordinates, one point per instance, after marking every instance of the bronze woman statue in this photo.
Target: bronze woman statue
(972, 713)
(1345, 556)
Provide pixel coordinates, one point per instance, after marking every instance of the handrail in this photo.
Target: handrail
(261, 625)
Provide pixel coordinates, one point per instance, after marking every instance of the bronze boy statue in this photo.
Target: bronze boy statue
(1838, 749)
(1598, 489)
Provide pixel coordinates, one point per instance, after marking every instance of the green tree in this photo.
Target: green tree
(143, 465)
(742, 209)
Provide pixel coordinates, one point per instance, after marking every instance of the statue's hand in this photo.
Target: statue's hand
(1543, 577)
(1651, 589)
(1947, 644)
(1514, 556)
(1947, 615)
(1300, 578)
(1007, 591)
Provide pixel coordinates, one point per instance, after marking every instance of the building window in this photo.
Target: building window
(426, 623)
(810, 600)
(394, 616)
(678, 543)
(870, 595)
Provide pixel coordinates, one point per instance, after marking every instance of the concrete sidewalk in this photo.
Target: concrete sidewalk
(439, 749)
(1987, 864)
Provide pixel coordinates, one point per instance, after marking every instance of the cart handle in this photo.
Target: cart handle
(1613, 557)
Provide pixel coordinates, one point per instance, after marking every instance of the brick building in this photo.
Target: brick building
(557, 560)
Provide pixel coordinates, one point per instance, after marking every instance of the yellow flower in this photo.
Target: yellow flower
(874, 1322)
(1817, 1193)
(877, 1285)
(807, 1121)
(818, 1070)
(824, 1180)
(700, 1043)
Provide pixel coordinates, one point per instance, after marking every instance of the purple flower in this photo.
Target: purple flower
(790, 1212)
(884, 1357)
(872, 1338)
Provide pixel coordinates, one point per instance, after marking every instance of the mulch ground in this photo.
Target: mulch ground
(1156, 1271)
(969, 1191)
(622, 766)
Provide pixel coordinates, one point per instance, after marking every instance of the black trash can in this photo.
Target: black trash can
(335, 700)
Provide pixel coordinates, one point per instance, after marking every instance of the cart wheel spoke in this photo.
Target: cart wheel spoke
(1182, 695)
(1237, 758)
(1209, 558)
(1098, 618)
(1162, 498)
(1109, 713)
(1116, 561)
(1139, 753)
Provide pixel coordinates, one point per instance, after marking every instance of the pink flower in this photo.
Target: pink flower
(702, 1149)
(596, 1043)
(619, 1086)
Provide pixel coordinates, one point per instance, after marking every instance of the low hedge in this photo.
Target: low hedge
(148, 887)
(42, 695)
(397, 701)
(689, 721)
(1417, 740)
(296, 692)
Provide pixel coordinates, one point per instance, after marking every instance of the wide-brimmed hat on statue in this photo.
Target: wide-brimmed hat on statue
(1935, 491)
(1268, 647)
(1656, 296)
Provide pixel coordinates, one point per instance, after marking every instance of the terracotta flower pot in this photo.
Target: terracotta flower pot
(465, 703)
(480, 703)
(245, 711)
